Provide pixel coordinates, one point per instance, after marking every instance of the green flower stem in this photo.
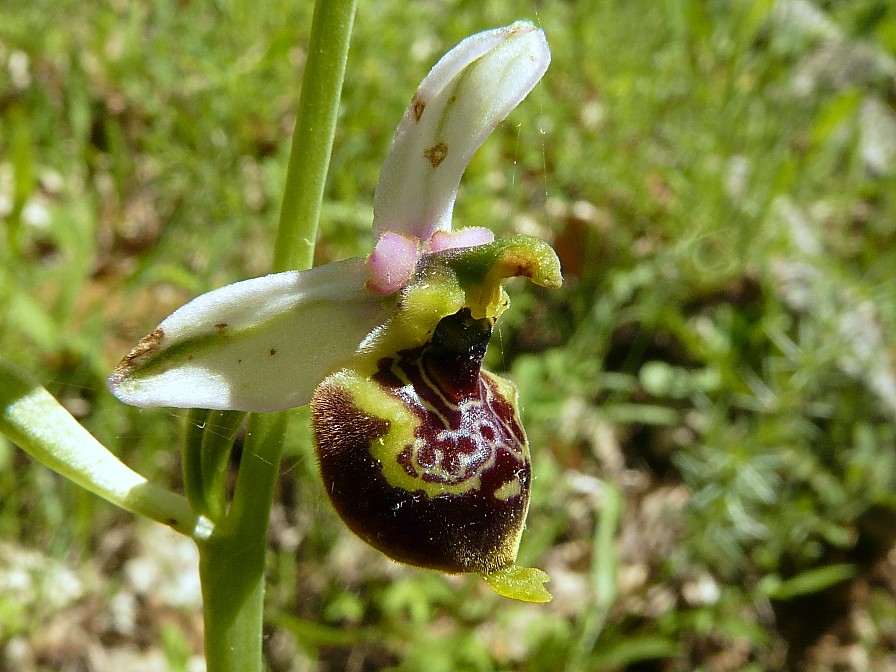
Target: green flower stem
(232, 561)
(315, 129)
(34, 420)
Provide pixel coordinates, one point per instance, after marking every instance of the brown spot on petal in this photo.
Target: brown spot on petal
(417, 107)
(146, 346)
(436, 154)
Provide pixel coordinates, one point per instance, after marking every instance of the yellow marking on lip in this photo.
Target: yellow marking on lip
(371, 399)
(511, 488)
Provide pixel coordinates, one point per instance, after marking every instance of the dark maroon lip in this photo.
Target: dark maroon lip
(466, 431)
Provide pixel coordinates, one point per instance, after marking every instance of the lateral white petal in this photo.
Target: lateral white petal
(257, 345)
(465, 96)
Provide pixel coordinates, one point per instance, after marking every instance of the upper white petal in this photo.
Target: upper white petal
(465, 96)
(257, 345)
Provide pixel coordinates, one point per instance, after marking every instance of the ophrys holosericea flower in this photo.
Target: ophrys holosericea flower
(421, 451)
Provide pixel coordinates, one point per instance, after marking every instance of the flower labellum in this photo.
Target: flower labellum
(421, 451)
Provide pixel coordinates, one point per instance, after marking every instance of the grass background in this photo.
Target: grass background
(710, 398)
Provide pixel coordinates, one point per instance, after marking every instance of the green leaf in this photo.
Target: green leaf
(633, 650)
(812, 581)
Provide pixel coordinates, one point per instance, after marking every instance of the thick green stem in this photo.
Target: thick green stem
(233, 604)
(232, 561)
(315, 129)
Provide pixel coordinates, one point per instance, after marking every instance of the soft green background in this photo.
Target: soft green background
(719, 369)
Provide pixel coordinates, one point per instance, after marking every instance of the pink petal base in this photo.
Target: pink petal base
(392, 262)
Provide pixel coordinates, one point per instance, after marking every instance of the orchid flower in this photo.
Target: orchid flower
(421, 451)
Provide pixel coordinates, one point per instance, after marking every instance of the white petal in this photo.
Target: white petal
(258, 345)
(465, 96)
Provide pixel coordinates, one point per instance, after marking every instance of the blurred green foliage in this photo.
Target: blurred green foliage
(719, 179)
